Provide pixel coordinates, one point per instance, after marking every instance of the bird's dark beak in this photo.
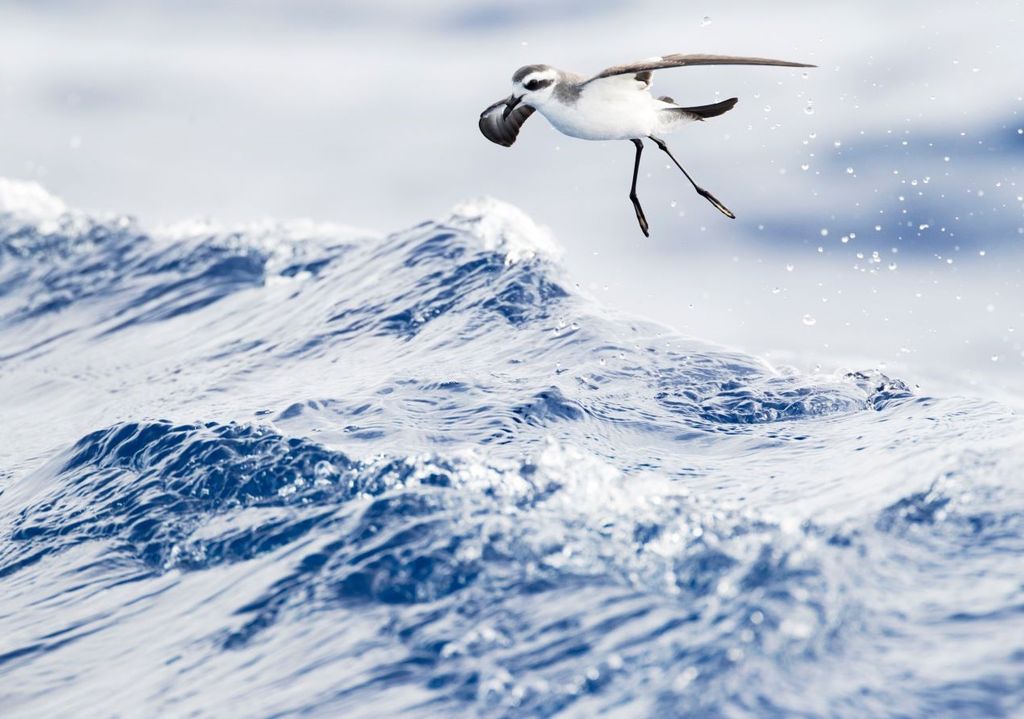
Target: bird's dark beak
(510, 105)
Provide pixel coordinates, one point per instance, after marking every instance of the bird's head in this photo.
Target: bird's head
(533, 85)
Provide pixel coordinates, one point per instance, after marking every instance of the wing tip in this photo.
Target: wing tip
(499, 129)
(492, 135)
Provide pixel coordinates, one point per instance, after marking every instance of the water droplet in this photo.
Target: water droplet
(767, 108)
(776, 290)
(844, 239)
(995, 358)
(849, 170)
(685, 679)
(837, 143)
(878, 228)
(809, 320)
(705, 21)
(789, 267)
(981, 253)
(809, 110)
(892, 265)
(823, 232)
(805, 167)
(813, 135)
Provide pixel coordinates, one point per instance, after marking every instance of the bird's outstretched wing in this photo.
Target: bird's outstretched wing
(503, 130)
(678, 60)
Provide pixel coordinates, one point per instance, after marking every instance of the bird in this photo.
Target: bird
(614, 104)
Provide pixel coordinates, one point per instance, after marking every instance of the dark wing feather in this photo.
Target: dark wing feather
(503, 130)
(678, 60)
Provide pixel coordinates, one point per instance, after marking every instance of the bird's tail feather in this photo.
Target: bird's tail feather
(702, 112)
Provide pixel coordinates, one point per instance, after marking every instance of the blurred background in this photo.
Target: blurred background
(879, 197)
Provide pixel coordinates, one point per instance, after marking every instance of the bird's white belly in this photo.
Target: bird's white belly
(604, 116)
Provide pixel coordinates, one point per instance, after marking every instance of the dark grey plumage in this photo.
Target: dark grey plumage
(568, 88)
(679, 60)
(503, 130)
(525, 70)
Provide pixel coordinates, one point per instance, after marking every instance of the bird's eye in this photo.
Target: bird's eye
(534, 85)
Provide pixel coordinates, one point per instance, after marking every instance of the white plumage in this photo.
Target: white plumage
(614, 108)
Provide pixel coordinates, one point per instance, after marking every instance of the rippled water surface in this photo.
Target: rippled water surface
(291, 468)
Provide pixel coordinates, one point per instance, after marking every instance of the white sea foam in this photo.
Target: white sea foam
(505, 228)
(264, 230)
(27, 200)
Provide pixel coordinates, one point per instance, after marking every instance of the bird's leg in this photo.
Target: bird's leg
(632, 190)
(700, 190)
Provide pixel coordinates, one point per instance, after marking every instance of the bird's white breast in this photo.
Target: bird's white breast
(608, 109)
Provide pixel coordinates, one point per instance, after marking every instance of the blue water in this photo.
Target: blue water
(295, 469)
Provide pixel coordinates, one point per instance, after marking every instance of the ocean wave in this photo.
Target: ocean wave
(298, 468)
